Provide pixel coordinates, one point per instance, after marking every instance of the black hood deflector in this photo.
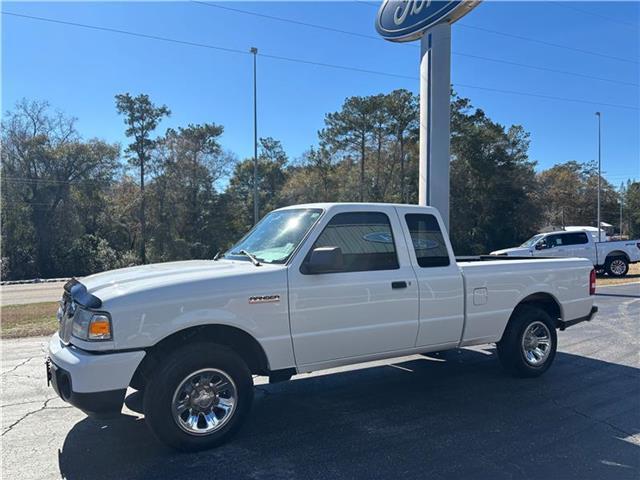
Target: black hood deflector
(79, 294)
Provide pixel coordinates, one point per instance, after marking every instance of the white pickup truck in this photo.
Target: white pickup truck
(310, 287)
(613, 258)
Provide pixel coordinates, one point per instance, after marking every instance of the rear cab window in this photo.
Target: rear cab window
(427, 239)
(577, 238)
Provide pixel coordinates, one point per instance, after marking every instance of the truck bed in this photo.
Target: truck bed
(494, 285)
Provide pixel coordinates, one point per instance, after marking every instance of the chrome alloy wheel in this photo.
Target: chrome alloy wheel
(536, 343)
(618, 267)
(204, 401)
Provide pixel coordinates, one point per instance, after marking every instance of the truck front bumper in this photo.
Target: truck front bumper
(95, 383)
(569, 323)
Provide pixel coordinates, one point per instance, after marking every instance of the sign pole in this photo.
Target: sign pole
(409, 20)
(256, 198)
(435, 112)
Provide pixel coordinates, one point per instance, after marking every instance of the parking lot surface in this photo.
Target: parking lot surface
(454, 415)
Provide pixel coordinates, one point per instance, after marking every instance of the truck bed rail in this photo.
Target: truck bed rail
(489, 258)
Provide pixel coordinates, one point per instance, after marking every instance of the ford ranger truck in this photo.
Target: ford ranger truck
(612, 258)
(310, 287)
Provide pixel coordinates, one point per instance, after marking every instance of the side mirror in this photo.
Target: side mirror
(325, 260)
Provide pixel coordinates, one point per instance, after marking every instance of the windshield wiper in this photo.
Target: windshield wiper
(251, 257)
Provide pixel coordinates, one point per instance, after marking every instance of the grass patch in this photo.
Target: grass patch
(632, 276)
(31, 320)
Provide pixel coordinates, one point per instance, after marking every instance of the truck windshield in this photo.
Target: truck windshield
(532, 241)
(276, 236)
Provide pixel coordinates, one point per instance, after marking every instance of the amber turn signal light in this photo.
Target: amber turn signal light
(100, 328)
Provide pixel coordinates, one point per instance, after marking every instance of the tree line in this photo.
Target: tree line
(74, 206)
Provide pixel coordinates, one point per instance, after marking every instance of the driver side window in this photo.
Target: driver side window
(554, 241)
(365, 239)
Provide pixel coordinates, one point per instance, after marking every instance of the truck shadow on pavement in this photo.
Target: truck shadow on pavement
(452, 415)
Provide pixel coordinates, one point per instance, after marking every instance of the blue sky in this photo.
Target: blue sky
(79, 70)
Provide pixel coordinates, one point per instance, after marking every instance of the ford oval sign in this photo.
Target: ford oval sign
(406, 20)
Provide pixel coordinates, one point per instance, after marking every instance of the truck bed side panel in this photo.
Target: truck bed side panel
(494, 289)
(628, 247)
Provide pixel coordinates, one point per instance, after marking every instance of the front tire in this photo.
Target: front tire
(198, 397)
(617, 266)
(528, 346)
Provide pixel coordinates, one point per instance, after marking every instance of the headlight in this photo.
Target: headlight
(91, 326)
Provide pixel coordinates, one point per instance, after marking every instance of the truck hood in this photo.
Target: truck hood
(150, 302)
(513, 252)
(114, 283)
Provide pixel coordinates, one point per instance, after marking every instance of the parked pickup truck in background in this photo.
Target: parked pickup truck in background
(310, 287)
(613, 258)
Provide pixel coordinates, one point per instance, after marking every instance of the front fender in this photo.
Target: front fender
(143, 320)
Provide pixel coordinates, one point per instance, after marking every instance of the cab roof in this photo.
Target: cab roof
(357, 205)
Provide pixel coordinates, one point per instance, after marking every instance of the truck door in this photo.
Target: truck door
(440, 281)
(579, 246)
(370, 306)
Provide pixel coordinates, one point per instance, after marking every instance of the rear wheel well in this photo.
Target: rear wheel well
(617, 253)
(237, 340)
(543, 301)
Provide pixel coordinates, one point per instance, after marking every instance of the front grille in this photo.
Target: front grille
(67, 309)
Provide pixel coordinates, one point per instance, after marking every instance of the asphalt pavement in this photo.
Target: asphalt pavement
(454, 415)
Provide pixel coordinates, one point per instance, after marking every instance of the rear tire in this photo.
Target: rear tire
(616, 266)
(528, 345)
(198, 397)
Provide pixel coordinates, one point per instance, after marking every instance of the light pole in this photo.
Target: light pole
(254, 51)
(621, 203)
(598, 114)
